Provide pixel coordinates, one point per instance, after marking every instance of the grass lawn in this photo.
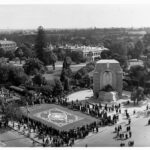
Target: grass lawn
(56, 73)
(58, 117)
(51, 76)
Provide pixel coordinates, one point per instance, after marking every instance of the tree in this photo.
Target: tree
(87, 81)
(17, 76)
(77, 57)
(138, 73)
(39, 80)
(107, 43)
(19, 53)
(118, 47)
(137, 94)
(146, 40)
(47, 89)
(40, 43)
(139, 48)
(67, 62)
(66, 73)
(140, 94)
(12, 74)
(2, 52)
(33, 66)
(58, 88)
(106, 54)
(4, 73)
(133, 96)
(50, 58)
(66, 84)
(84, 70)
(27, 51)
(10, 55)
(60, 53)
(12, 111)
(130, 49)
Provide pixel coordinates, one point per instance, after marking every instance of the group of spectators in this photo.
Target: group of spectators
(53, 137)
(123, 135)
(98, 111)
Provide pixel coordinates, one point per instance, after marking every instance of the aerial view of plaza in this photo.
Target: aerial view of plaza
(74, 75)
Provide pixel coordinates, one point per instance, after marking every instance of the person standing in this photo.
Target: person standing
(120, 111)
(129, 121)
(130, 134)
(127, 129)
(97, 129)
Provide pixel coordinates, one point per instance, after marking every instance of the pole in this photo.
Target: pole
(27, 114)
(28, 118)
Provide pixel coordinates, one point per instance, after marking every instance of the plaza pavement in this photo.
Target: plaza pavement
(11, 138)
(80, 95)
(25, 132)
(105, 137)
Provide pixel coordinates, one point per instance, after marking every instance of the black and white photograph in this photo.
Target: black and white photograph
(74, 75)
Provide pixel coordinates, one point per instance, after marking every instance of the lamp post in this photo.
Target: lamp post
(27, 117)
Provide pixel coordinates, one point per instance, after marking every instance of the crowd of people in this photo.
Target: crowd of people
(124, 135)
(53, 137)
(98, 111)
(67, 137)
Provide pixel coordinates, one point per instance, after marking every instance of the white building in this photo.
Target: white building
(8, 45)
(89, 52)
(135, 62)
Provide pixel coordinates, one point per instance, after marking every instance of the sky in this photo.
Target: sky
(74, 16)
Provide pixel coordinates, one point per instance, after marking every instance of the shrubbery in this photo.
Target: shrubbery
(82, 77)
(85, 70)
(12, 74)
(33, 66)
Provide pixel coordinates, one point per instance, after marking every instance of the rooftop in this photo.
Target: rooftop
(107, 61)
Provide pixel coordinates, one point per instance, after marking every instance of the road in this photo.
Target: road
(57, 65)
(106, 137)
(11, 138)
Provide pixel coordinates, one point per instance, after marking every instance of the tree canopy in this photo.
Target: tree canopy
(50, 58)
(40, 43)
(33, 66)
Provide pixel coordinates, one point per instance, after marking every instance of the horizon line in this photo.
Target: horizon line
(76, 28)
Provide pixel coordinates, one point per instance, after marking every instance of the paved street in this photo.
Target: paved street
(106, 137)
(11, 138)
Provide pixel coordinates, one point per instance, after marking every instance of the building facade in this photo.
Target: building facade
(135, 62)
(91, 53)
(8, 45)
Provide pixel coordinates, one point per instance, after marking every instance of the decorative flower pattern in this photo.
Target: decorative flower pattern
(58, 117)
